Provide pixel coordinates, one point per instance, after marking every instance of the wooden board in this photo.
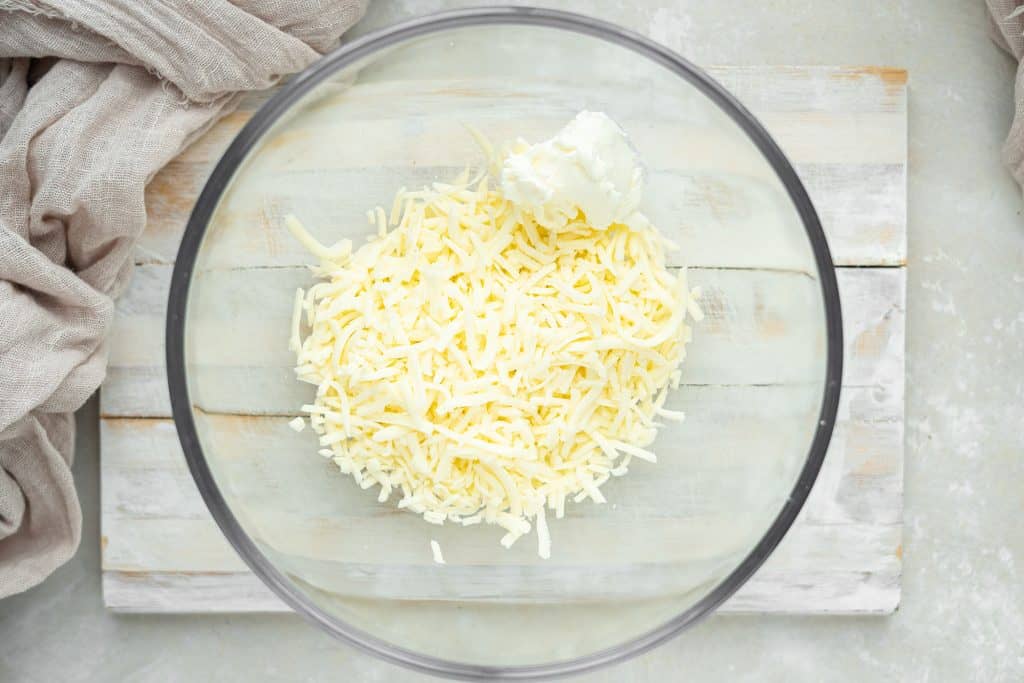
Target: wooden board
(844, 128)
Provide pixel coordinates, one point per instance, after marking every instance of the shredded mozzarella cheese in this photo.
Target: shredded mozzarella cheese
(435, 550)
(484, 365)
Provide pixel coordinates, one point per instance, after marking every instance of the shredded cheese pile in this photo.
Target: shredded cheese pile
(484, 366)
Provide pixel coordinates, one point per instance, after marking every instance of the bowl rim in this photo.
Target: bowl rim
(260, 123)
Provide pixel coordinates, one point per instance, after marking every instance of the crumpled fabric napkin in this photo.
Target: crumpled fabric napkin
(1006, 24)
(95, 97)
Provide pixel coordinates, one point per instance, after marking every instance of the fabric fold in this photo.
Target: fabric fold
(94, 99)
(1006, 26)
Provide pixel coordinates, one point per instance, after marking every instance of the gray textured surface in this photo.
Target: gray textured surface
(962, 617)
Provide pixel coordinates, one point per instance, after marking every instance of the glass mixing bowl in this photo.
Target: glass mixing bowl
(676, 538)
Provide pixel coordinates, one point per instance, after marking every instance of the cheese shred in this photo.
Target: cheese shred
(485, 365)
(435, 550)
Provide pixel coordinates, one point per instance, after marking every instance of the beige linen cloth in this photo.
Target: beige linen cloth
(95, 97)
(1006, 22)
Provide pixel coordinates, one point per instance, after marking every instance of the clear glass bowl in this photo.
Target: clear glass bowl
(761, 379)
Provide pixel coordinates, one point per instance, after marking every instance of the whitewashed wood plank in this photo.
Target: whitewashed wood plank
(757, 331)
(810, 98)
(719, 219)
(761, 88)
(135, 391)
(872, 550)
(837, 593)
(329, 140)
(842, 155)
(837, 581)
(728, 430)
(816, 88)
(183, 592)
(853, 593)
(150, 506)
(863, 210)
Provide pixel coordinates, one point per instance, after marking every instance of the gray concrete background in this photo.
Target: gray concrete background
(962, 617)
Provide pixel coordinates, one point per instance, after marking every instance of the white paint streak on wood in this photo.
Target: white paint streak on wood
(845, 129)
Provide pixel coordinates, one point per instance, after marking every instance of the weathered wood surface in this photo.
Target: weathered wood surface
(845, 129)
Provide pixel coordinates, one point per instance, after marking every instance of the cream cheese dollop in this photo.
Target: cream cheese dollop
(589, 166)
